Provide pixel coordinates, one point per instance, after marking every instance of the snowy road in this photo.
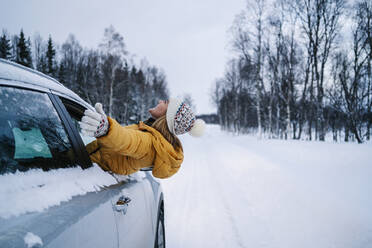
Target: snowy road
(236, 191)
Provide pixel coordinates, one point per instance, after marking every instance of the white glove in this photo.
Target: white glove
(94, 124)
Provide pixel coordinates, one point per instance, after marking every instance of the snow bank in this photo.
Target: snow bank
(37, 190)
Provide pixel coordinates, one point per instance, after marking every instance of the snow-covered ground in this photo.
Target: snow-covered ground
(237, 191)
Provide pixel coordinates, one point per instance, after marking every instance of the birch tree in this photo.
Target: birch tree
(113, 54)
(319, 22)
(39, 52)
(258, 58)
(364, 20)
(71, 52)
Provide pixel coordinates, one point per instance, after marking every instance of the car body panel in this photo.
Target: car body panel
(134, 226)
(69, 223)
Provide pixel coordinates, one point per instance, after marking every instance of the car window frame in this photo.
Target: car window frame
(62, 101)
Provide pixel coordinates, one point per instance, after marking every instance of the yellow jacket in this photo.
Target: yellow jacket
(125, 150)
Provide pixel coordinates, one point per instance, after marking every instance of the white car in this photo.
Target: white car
(51, 195)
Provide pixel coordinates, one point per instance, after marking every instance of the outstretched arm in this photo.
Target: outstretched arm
(125, 141)
(112, 136)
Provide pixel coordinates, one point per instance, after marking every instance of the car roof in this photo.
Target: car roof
(14, 74)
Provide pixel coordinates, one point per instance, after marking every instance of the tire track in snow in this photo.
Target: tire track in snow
(230, 215)
(219, 191)
(187, 200)
(241, 189)
(199, 215)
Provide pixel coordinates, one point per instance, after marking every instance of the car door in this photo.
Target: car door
(134, 222)
(46, 198)
(130, 200)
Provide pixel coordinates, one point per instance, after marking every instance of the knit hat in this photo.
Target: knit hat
(181, 119)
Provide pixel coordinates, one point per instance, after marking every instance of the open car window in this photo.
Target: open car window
(31, 132)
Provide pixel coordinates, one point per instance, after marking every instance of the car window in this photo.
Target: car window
(31, 132)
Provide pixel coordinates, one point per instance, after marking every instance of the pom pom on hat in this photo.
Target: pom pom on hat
(198, 129)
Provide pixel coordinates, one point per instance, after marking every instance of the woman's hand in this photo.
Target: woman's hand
(94, 124)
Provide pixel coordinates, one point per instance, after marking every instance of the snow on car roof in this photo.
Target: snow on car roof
(14, 72)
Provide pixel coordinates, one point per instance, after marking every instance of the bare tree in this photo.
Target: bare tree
(187, 98)
(364, 20)
(38, 52)
(356, 87)
(113, 52)
(260, 6)
(71, 52)
(319, 22)
(250, 46)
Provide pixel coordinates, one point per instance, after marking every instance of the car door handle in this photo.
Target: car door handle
(122, 204)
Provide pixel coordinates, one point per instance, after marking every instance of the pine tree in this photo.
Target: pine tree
(43, 66)
(23, 51)
(50, 54)
(5, 47)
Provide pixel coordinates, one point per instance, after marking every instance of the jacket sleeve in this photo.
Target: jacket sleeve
(94, 154)
(125, 141)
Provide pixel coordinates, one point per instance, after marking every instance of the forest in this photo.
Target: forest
(299, 69)
(106, 74)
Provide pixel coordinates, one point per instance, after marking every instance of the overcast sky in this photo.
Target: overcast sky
(187, 39)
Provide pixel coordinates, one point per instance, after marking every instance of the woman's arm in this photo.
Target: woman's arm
(125, 141)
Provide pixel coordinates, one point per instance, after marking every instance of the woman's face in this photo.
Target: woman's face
(160, 109)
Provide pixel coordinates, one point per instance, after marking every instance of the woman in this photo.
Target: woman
(125, 150)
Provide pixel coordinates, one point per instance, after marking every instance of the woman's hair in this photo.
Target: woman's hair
(161, 125)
